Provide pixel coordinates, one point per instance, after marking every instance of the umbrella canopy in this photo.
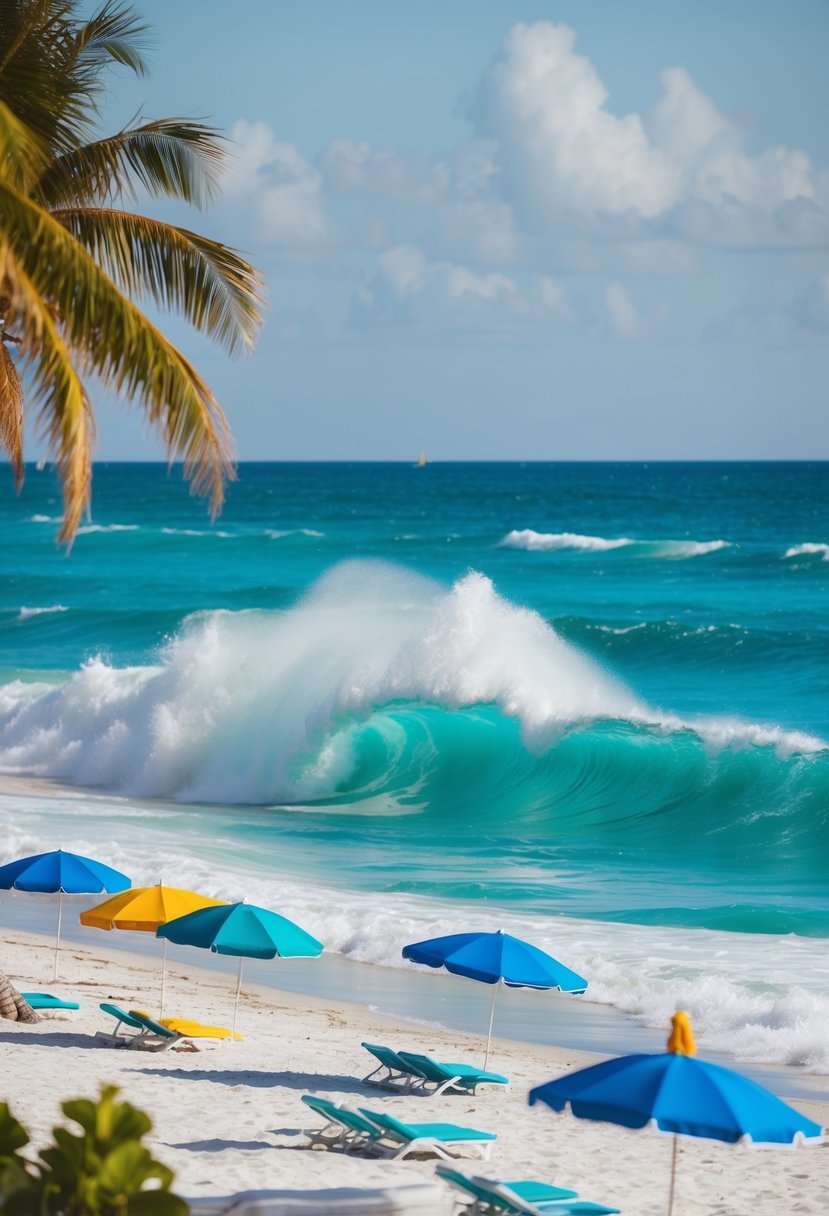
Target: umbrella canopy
(143, 909)
(61, 872)
(678, 1094)
(243, 931)
(495, 958)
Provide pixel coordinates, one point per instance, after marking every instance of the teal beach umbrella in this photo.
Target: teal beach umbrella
(60, 872)
(242, 931)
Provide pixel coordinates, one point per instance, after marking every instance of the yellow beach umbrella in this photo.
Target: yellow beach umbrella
(143, 909)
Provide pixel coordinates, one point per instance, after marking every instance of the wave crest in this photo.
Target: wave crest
(546, 542)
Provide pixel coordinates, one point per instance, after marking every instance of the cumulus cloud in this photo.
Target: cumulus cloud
(566, 159)
(282, 187)
(411, 291)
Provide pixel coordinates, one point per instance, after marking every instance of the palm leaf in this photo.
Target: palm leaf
(115, 33)
(65, 411)
(11, 413)
(214, 288)
(169, 156)
(21, 152)
(110, 337)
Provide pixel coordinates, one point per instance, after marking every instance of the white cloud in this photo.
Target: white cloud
(282, 187)
(567, 161)
(350, 167)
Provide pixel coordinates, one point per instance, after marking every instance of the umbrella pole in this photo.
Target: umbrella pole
(673, 1175)
(163, 974)
(236, 1002)
(57, 935)
(491, 1017)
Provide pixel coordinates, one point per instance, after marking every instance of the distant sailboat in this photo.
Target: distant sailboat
(421, 460)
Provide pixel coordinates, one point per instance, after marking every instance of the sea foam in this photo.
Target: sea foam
(546, 542)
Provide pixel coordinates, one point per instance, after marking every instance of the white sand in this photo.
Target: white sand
(228, 1118)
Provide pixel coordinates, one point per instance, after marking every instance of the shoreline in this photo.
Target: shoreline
(228, 1118)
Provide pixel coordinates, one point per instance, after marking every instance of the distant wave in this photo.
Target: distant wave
(195, 532)
(809, 550)
(25, 613)
(549, 541)
(44, 519)
(89, 529)
(281, 534)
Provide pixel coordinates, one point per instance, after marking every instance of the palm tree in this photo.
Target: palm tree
(73, 260)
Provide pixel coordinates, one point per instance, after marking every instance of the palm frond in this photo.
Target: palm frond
(65, 413)
(115, 33)
(21, 153)
(11, 413)
(168, 156)
(112, 338)
(213, 286)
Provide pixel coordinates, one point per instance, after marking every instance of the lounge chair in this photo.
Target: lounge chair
(479, 1195)
(345, 1127)
(460, 1078)
(438, 1138)
(45, 1000)
(527, 1198)
(396, 1068)
(119, 1037)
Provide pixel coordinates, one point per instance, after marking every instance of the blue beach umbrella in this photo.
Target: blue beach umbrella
(495, 958)
(60, 872)
(242, 931)
(675, 1093)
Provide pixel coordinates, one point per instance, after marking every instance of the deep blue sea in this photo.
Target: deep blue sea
(585, 702)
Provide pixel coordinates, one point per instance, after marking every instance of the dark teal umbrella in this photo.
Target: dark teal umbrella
(242, 931)
(58, 872)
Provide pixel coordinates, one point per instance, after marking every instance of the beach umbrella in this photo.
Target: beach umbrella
(495, 958)
(143, 909)
(61, 873)
(243, 931)
(678, 1094)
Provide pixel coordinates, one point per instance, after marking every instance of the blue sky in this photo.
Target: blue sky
(512, 230)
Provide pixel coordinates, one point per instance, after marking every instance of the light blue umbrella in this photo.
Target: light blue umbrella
(59, 872)
(495, 958)
(678, 1094)
(244, 931)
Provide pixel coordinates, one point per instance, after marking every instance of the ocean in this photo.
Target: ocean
(586, 703)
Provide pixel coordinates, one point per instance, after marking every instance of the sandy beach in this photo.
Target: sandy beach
(228, 1117)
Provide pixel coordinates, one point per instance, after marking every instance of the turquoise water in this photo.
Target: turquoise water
(588, 702)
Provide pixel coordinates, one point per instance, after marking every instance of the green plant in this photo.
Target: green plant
(103, 1171)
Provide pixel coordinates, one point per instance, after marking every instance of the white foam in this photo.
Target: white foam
(25, 613)
(547, 541)
(809, 549)
(277, 534)
(45, 519)
(89, 529)
(196, 532)
(550, 541)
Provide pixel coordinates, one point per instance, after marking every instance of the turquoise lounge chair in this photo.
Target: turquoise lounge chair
(45, 1000)
(396, 1068)
(479, 1194)
(154, 1036)
(345, 1128)
(117, 1038)
(525, 1198)
(437, 1138)
(460, 1078)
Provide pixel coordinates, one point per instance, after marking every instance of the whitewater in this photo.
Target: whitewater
(413, 714)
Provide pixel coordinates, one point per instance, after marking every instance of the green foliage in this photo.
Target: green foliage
(104, 1170)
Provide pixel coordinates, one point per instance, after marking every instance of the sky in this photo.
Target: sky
(494, 229)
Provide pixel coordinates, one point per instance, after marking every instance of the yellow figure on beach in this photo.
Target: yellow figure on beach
(681, 1039)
